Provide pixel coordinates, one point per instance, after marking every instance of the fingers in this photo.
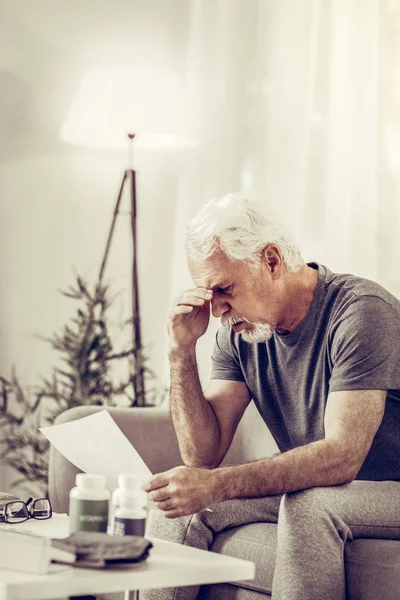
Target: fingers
(180, 310)
(162, 500)
(160, 496)
(188, 301)
(194, 297)
(165, 505)
(179, 491)
(159, 480)
(171, 508)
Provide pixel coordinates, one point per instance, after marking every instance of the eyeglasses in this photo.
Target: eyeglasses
(18, 511)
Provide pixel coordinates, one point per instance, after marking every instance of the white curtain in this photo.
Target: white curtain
(299, 110)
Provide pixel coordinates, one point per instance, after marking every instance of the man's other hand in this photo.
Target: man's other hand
(189, 317)
(184, 490)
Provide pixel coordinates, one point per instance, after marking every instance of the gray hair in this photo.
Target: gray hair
(241, 229)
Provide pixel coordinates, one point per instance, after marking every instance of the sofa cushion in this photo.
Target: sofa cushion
(226, 591)
(373, 569)
(372, 566)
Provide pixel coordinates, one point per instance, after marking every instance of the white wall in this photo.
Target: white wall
(56, 212)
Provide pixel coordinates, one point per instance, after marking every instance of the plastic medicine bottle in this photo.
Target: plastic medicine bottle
(126, 481)
(89, 503)
(130, 515)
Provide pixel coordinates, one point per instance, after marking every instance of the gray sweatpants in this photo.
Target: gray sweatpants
(313, 527)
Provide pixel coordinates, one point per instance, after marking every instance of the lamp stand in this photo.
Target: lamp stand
(130, 176)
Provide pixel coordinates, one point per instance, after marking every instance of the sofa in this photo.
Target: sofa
(372, 566)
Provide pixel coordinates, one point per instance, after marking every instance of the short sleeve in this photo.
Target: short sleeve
(225, 362)
(365, 346)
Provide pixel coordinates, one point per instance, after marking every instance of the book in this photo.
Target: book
(30, 553)
(20, 551)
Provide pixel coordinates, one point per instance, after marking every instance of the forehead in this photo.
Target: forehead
(214, 270)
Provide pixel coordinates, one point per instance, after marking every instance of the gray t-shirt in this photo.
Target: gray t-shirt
(348, 340)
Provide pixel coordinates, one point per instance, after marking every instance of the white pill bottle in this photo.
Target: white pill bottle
(89, 503)
(130, 515)
(126, 482)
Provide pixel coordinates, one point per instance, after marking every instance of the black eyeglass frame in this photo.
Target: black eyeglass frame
(28, 510)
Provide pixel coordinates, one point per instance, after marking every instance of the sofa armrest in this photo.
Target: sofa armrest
(149, 429)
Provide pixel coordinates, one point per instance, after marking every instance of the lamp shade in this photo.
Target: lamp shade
(114, 101)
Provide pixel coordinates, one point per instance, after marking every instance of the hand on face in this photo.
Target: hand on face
(189, 317)
(184, 490)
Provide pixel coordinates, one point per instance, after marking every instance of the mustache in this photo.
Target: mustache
(229, 321)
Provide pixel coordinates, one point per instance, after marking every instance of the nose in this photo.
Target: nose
(219, 306)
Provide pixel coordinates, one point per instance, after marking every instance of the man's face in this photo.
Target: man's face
(244, 298)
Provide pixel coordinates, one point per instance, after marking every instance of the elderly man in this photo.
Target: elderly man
(319, 354)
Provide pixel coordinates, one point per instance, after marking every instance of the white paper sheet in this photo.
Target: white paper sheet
(95, 444)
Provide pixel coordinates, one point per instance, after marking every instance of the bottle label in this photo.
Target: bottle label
(88, 515)
(129, 526)
(111, 516)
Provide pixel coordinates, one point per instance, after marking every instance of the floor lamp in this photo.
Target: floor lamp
(129, 178)
(109, 102)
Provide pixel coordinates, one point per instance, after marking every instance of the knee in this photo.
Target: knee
(306, 504)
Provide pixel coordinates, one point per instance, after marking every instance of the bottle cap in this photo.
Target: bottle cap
(129, 481)
(90, 482)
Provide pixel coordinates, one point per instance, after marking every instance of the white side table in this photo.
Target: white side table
(168, 565)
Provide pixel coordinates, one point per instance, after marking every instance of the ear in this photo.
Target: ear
(272, 259)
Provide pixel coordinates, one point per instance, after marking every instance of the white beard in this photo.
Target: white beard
(258, 333)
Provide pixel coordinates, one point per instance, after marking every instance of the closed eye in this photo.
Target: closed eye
(224, 290)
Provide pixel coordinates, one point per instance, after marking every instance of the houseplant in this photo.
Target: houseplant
(85, 375)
